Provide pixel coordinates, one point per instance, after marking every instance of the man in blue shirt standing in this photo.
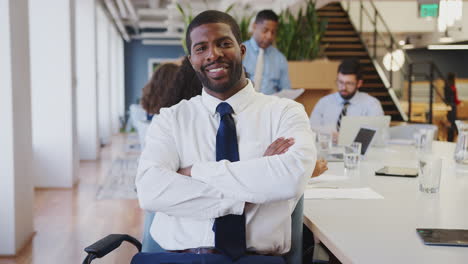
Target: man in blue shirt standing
(266, 65)
(327, 113)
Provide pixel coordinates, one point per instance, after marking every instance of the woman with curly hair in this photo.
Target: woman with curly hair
(158, 88)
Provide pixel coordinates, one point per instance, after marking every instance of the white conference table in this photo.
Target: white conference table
(384, 230)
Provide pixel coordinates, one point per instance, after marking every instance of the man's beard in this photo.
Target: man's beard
(236, 72)
(349, 96)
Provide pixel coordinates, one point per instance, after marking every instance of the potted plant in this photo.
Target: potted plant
(299, 39)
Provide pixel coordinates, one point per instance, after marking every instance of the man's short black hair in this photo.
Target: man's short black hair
(208, 17)
(266, 14)
(351, 66)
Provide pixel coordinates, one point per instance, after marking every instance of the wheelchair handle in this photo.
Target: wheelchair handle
(108, 244)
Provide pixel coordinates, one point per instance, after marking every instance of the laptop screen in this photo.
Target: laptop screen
(364, 136)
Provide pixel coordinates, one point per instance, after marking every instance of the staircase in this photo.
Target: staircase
(342, 41)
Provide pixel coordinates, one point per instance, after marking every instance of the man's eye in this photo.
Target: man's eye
(226, 44)
(200, 49)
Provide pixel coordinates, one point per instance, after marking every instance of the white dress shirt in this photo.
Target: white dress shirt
(186, 207)
(327, 110)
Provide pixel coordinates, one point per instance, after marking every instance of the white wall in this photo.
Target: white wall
(52, 65)
(402, 17)
(103, 78)
(16, 188)
(114, 88)
(121, 76)
(86, 60)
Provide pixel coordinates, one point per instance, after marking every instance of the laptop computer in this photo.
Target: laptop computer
(350, 126)
(364, 136)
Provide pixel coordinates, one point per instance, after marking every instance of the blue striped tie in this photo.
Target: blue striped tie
(230, 229)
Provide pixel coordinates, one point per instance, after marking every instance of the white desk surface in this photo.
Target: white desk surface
(384, 231)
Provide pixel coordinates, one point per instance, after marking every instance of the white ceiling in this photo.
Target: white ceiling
(161, 20)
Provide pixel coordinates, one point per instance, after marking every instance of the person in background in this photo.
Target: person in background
(265, 64)
(348, 101)
(157, 88)
(451, 97)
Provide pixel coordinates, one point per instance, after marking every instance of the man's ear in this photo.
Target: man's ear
(243, 49)
(190, 59)
(359, 84)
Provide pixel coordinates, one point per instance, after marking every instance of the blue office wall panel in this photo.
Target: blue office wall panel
(137, 56)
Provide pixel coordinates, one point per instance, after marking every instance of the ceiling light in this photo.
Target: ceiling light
(445, 39)
(394, 61)
(447, 47)
(407, 46)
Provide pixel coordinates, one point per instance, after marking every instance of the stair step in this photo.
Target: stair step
(330, 8)
(340, 39)
(340, 26)
(336, 19)
(328, 13)
(345, 46)
(368, 69)
(379, 94)
(386, 103)
(373, 85)
(346, 53)
(371, 77)
(393, 113)
(341, 32)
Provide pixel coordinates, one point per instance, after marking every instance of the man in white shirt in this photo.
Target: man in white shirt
(327, 113)
(181, 175)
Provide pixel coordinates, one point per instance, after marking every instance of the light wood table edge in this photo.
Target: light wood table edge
(318, 234)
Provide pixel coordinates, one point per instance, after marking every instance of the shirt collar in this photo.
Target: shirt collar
(353, 100)
(238, 101)
(256, 48)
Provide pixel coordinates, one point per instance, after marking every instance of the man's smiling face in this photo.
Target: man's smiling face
(216, 57)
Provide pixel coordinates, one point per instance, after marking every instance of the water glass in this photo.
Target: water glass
(461, 149)
(423, 140)
(324, 144)
(430, 169)
(352, 155)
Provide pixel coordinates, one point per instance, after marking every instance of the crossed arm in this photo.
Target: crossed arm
(219, 188)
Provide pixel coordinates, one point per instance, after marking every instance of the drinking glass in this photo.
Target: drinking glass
(430, 169)
(324, 144)
(423, 140)
(352, 155)
(461, 149)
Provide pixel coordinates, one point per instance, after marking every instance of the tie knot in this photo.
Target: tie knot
(346, 103)
(224, 109)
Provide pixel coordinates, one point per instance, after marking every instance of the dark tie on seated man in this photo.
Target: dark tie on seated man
(203, 169)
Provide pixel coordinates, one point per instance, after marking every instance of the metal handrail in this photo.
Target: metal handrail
(433, 68)
(377, 35)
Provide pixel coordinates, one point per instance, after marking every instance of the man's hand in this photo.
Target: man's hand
(186, 171)
(320, 167)
(279, 146)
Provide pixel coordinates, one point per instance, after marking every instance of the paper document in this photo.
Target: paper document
(327, 177)
(289, 93)
(337, 193)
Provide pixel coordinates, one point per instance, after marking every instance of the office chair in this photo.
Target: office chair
(150, 248)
